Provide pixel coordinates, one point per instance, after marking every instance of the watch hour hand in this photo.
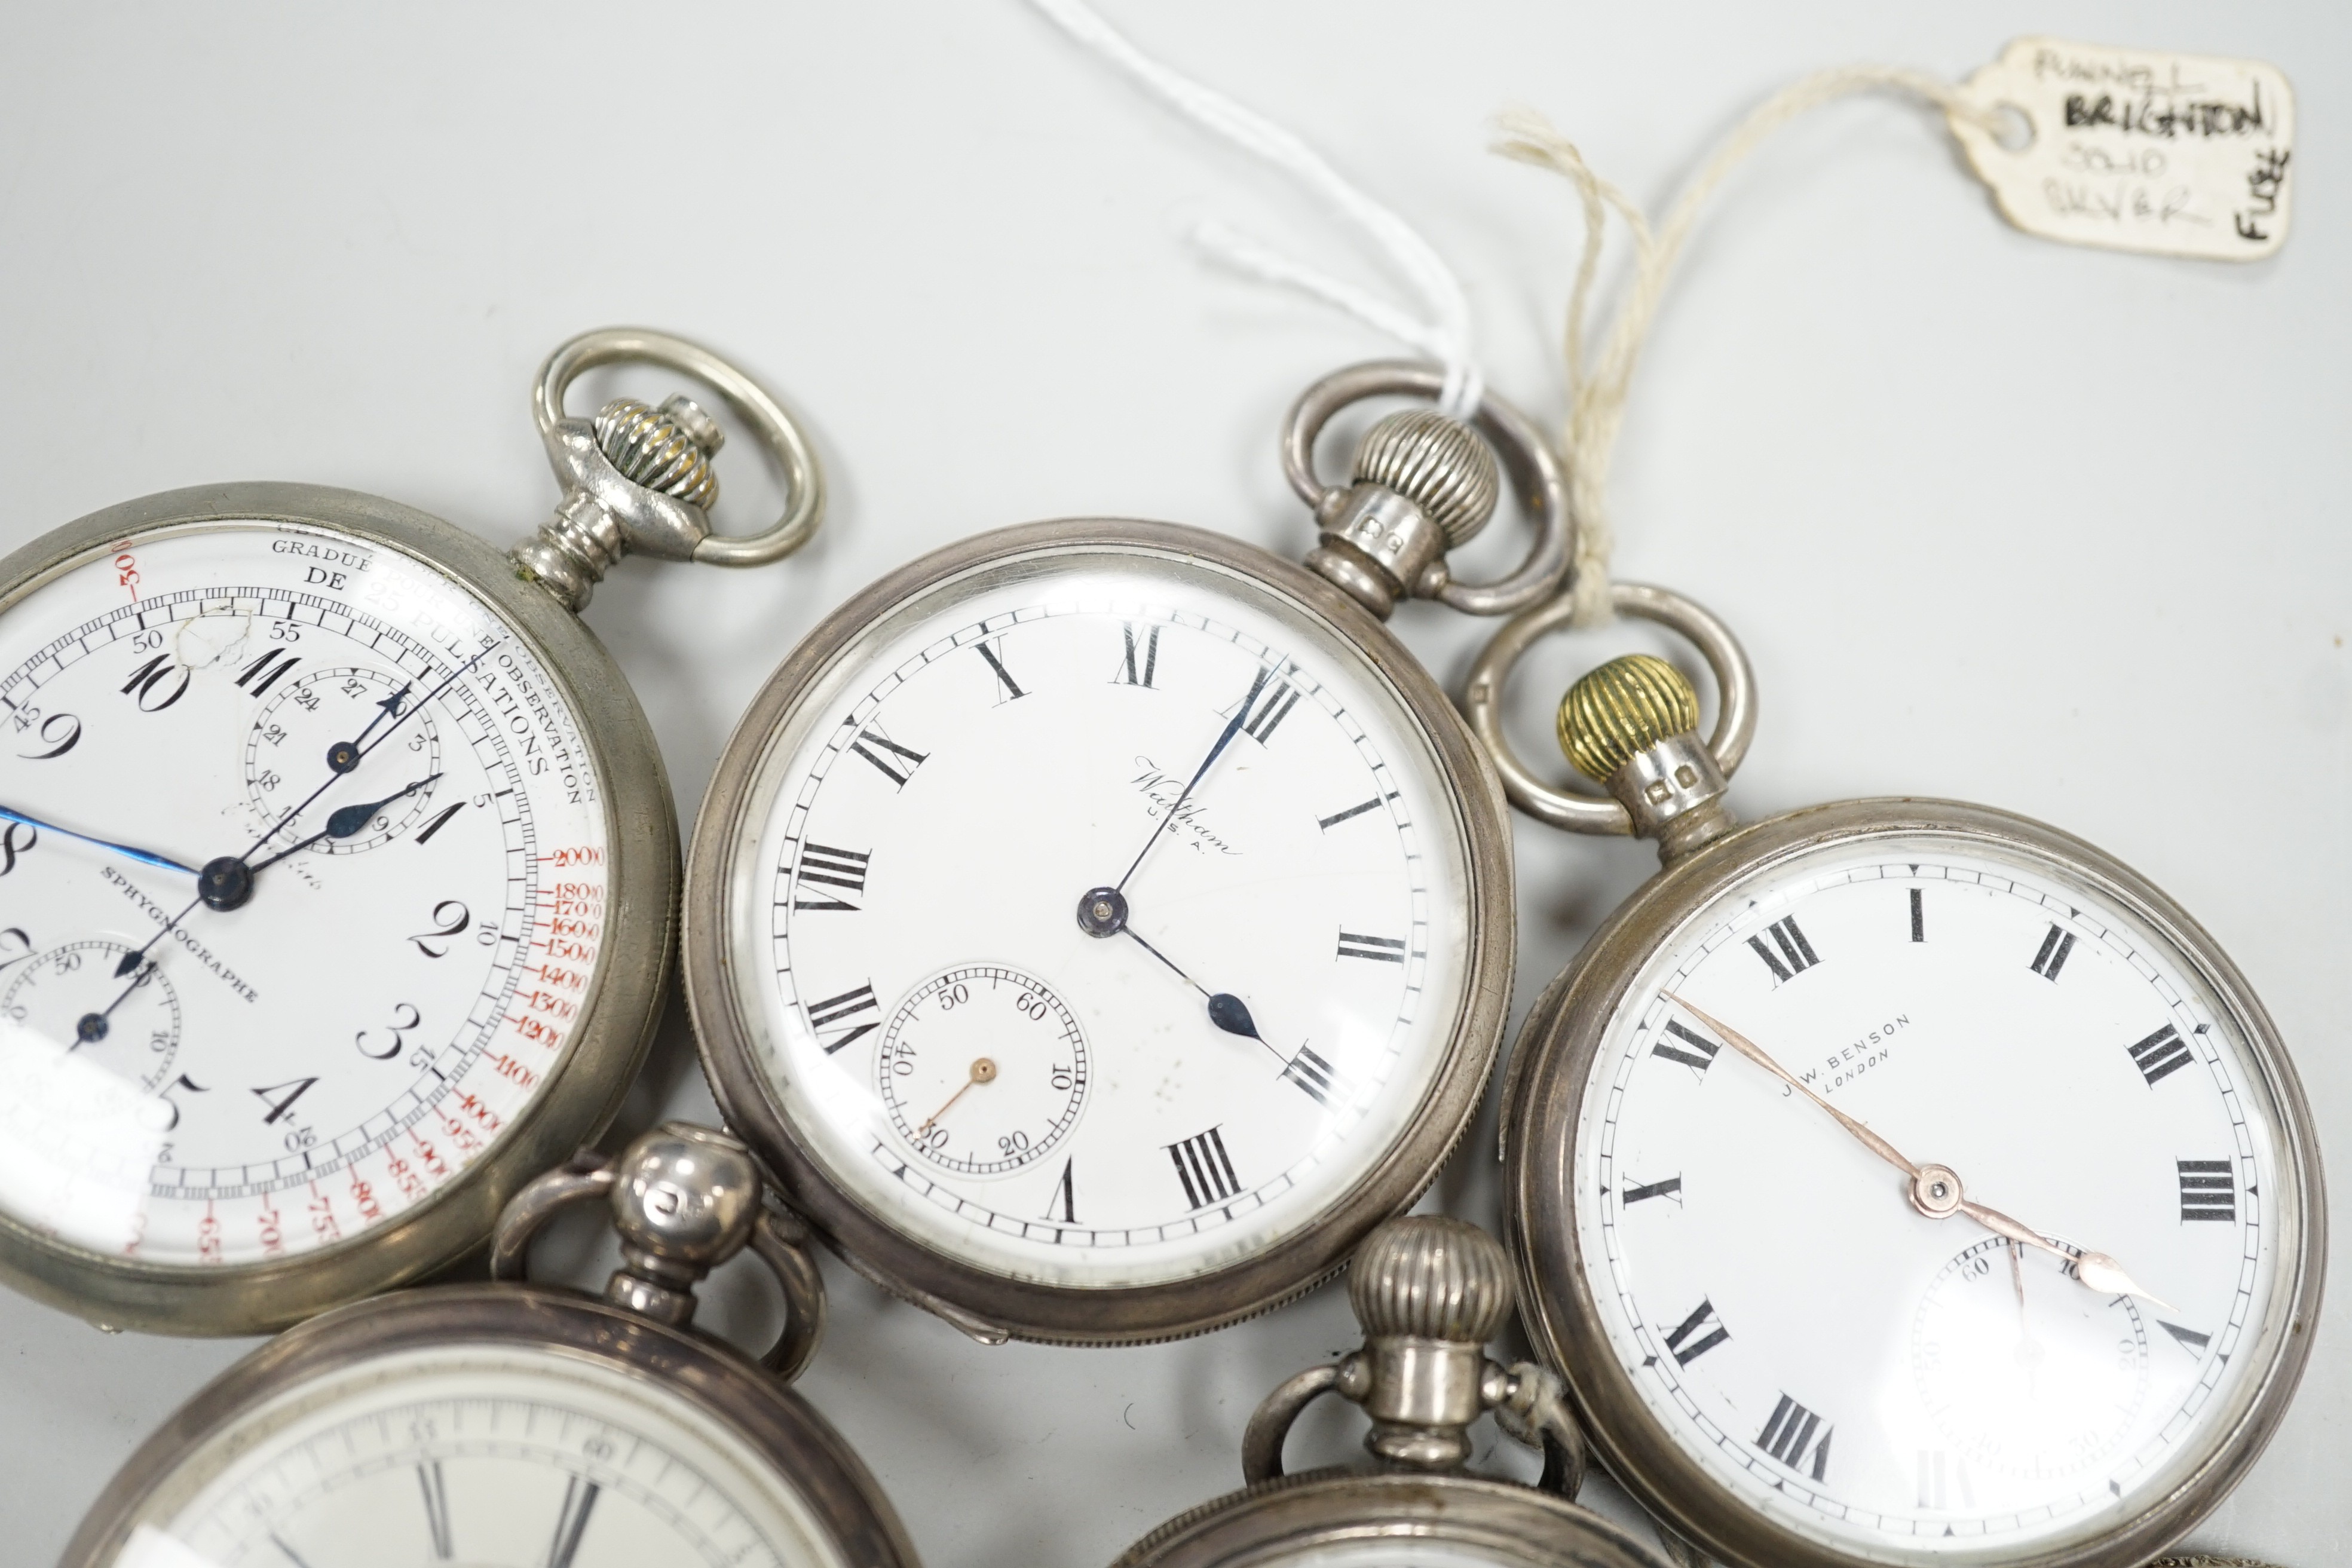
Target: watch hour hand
(1226, 1011)
(1936, 1190)
(1103, 912)
(1231, 1013)
(345, 822)
(2096, 1270)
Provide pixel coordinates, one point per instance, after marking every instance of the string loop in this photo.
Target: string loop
(1598, 386)
(1441, 329)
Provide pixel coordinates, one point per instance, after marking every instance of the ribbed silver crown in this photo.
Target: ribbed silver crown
(667, 449)
(1431, 1277)
(1439, 465)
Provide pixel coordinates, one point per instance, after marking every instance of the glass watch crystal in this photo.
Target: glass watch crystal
(1101, 925)
(406, 845)
(338, 868)
(1896, 1180)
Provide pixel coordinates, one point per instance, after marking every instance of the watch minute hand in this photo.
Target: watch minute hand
(1240, 716)
(1930, 1192)
(1755, 1053)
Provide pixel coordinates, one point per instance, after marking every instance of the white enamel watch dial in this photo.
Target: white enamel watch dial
(493, 1453)
(1896, 1387)
(1100, 920)
(397, 959)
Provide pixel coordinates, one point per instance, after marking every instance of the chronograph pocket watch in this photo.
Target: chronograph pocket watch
(517, 1423)
(338, 867)
(1429, 1292)
(1895, 1182)
(1099, 926)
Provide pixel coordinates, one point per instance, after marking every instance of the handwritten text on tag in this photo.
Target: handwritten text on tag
(2170, 155)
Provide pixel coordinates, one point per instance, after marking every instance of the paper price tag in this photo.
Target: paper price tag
(2137, 149)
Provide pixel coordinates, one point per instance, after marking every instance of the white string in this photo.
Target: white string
(1597, 390)
(1442, 329)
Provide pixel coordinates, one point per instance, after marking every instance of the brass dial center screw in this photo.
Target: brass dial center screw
(1936, 1191)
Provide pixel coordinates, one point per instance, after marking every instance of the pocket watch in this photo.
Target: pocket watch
(516, 1422)
(1099, 926)
(338, 868)
(1896, 1182)
(1429, 1293)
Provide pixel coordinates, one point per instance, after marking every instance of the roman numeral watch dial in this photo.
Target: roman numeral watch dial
(1897, 1182)
(1101, 926)
(335, 867)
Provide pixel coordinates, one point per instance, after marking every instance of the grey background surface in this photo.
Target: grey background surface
(2056, 529)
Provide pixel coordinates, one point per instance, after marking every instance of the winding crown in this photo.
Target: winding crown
(685, 1196)
(666, 448)
(1439, 465)
(1621, 710)
(1428, 1277)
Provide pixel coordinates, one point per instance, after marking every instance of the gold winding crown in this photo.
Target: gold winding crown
(1623, 709)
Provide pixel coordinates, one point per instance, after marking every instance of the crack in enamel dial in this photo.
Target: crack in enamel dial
(352, 1013)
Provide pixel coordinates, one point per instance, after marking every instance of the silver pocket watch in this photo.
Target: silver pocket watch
(338, 868)
(1429, 1292)
(1099, 926)
(513, 1423)
(1896, 1181)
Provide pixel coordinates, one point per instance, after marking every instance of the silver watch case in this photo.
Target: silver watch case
(619, 1005)
(993, 1306)
(1555, 1054)
(842, 1497)
(1303, 1518)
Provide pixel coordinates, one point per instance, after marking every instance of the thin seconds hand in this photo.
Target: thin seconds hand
(145, 856)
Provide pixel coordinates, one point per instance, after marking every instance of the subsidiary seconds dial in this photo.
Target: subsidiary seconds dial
(983, 1070)
(1928, 1198)
(1104, 921)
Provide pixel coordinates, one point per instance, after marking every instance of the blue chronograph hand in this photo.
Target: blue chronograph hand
(144, 856)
